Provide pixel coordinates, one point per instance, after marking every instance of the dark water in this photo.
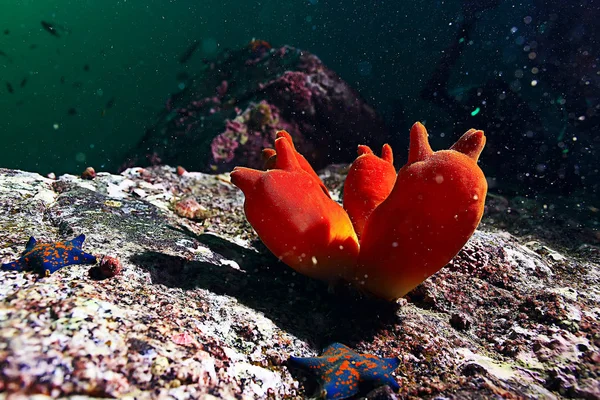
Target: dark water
(82, 89)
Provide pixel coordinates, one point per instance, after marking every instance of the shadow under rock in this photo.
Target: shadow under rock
(297, 304)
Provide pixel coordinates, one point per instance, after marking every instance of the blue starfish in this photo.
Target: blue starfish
(47, 258)
(340, 370)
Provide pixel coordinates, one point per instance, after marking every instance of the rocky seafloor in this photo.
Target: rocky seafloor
(201, 309)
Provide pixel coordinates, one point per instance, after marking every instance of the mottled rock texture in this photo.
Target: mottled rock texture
(202, 310)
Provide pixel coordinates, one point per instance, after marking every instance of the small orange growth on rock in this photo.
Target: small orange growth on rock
(89, 173)
(180, 170)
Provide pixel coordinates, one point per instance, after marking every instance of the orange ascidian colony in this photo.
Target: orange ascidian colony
(295, 218)
(394, 231)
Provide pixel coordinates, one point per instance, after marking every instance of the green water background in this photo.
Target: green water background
(132, 49)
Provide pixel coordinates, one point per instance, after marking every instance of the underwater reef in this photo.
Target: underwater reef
(233, 107)
(199, 308)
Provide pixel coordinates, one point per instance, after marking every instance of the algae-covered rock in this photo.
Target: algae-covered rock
(201, 309)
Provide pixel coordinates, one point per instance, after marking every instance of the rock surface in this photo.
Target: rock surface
(202, 310)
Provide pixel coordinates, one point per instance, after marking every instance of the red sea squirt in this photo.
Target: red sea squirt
(410, 224)
(434, 208)
(295, 218)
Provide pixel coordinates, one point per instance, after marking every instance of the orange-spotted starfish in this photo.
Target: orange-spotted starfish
(46, 258)
(341, 371)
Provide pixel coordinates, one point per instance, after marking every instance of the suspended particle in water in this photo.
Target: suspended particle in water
(365, 68)
(515, 85)
(209, 46)
(475, 112)
(540, 167)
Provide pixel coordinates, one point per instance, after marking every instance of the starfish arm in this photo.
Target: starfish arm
(392, 362)
(14, 266)
(78, 241)
(342, 382)
(51, 266)
(313, 364)
(78, 256)
(377, 370)
(336, 349)
(379, 376)
(30, 244)
(393, 384)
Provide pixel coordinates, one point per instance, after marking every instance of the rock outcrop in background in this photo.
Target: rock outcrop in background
(226, 114)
